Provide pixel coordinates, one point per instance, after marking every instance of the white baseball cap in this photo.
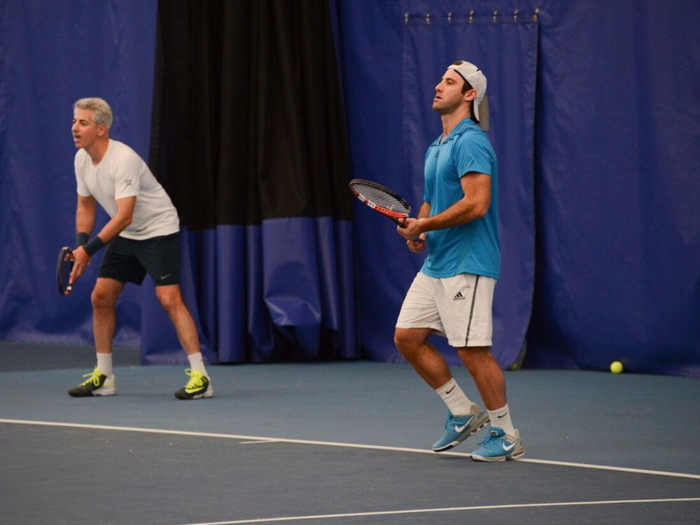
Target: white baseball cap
(472, 74)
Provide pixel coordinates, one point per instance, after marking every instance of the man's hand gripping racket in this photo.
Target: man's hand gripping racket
(390, 204)
(71, 264)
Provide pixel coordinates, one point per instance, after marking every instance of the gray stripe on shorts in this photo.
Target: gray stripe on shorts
(471, 312)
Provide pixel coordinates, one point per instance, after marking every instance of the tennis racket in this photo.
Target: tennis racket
(63, 270)
(381, 199)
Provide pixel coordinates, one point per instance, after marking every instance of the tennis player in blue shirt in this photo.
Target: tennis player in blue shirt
(452, 295)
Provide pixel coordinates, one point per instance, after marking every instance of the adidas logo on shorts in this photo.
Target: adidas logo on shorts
(459, 297)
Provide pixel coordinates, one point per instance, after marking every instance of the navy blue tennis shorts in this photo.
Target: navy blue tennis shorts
(127, 260)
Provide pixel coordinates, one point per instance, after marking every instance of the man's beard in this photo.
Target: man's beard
(444, 110)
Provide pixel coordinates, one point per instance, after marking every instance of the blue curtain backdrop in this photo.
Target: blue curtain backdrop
(277, 291)
(618, 188)
(616, 164)
(51, 54)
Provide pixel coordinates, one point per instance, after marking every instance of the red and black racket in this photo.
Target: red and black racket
(381, 199)
(63, 271)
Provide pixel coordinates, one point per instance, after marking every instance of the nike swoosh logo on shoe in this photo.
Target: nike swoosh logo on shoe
(508, 448)
(461, 429)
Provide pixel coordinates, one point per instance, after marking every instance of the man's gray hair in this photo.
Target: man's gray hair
(101, 112)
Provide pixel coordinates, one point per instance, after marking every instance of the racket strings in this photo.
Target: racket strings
(381, 198)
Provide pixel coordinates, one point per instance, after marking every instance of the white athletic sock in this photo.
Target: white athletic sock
(454, 398)
(197, 363)
(104, 363)
(501, 419)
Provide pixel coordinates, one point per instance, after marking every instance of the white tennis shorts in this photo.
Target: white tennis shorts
(458, 308)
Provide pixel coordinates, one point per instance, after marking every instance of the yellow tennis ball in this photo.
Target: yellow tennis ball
(616, 367)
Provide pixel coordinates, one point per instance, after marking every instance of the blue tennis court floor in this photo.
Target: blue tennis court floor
(341, 442)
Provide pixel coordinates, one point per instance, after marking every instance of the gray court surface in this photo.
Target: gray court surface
(341, 442)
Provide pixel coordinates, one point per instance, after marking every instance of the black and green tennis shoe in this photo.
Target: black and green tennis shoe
(96, 384)
(197, 387)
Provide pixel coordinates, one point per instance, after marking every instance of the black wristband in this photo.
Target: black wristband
(81, 238)
(93, 246)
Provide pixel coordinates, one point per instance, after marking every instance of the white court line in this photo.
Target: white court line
(448, 509)
(342, 445)
(256, 442)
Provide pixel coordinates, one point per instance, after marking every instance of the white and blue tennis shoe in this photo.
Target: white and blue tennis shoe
(499, 446)
(459, 428)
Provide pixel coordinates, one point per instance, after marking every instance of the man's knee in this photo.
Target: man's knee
(104, 295)
(101, 300)
(407, 341)
(169, 297)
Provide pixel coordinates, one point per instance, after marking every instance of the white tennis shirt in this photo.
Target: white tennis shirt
(122, 173)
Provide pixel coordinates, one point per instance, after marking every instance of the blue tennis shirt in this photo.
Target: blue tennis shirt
(472, 247)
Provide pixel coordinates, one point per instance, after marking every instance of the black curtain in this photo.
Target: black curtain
(247, 115)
